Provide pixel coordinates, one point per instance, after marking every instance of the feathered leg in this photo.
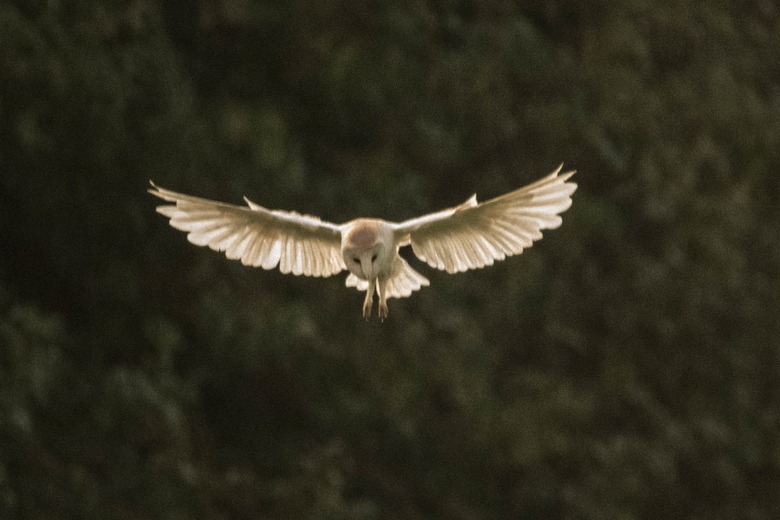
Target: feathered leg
(382, 290)
(369, 301)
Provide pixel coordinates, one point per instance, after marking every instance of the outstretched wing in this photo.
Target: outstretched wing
(474, 235)
(298, 244)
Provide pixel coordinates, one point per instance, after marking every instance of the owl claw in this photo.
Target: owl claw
(367, 309)
(382, 311)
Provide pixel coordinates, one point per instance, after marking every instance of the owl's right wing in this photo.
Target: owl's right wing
(298, 244)
(473, 235)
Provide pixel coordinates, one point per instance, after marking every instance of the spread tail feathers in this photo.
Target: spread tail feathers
(401, 284)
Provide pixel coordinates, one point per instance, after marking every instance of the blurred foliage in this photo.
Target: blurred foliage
(628, 366)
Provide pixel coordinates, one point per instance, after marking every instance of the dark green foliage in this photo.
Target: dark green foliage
(627, 366)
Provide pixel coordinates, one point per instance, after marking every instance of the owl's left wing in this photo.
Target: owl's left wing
(474, 235)
(298, 244)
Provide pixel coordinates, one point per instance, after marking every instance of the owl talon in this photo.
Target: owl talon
(367, 309)
(382, 311)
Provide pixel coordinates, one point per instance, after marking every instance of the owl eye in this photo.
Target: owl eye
(373, 258)
(356, 259)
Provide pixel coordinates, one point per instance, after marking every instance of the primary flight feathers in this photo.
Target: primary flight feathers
(259, 237)
(470, 235)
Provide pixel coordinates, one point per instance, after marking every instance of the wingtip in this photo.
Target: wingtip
(553, 174)
(566, 182)
(154, 190)
(557, 172)
(563, 176)
(161, 192)
(252, 205)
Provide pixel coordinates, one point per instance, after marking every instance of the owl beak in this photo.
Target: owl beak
(368, 267)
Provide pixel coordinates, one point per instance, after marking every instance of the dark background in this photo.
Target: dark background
(625, 367)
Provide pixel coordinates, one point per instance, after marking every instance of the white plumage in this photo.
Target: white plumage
(471, 235)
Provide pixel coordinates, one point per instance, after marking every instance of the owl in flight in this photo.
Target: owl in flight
(468, 236)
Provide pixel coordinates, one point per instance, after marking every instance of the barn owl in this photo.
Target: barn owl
(468, 236)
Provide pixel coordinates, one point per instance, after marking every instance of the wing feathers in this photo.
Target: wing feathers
(297, 244)
(316, 259)
(357, 283)
(274, 254)
(403, 282)
(252, 249)
(285, 262)
(474, 235)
